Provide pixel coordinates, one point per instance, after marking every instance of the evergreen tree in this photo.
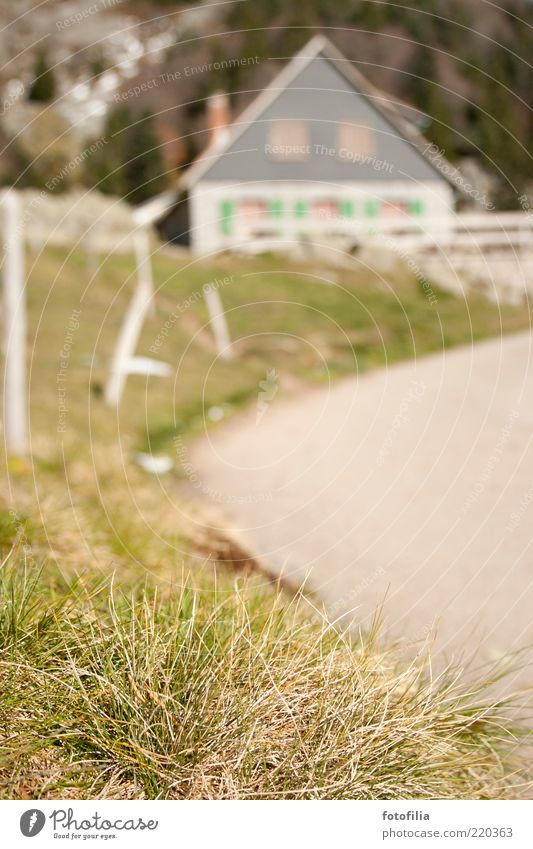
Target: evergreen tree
(429, 98)
(43, 87)
(130, 165)
(105, 167)
(423, 73)
(144, 167)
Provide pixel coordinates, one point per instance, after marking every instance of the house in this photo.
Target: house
(319, 155)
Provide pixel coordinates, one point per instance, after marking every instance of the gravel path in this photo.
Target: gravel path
(411, 487)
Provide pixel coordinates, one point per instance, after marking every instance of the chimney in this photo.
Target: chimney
(218, 118)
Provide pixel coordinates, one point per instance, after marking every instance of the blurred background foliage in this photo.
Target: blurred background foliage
(462, 64)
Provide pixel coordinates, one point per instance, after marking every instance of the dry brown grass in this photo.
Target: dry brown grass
(227, 691)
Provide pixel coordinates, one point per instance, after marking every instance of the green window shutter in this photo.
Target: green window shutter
(371, 208)
(227, 209)
(276, 208)
(416, 207)
(347, 208)
(300, 209)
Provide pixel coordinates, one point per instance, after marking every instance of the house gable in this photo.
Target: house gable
(318, 92)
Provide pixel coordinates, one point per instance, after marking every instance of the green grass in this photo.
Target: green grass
(280, 317)
(130, 665)
(226, 691)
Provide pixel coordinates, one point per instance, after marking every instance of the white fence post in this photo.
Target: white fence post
(15, 413)
(141, 249)
(140, 305)
(218, 322)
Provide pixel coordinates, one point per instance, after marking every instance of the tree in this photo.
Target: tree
(43, 87)
(429, 97)
(144, 167)
(130, 165)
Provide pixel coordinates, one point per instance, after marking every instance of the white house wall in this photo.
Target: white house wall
(230, 215)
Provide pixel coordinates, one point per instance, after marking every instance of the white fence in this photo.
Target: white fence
(98, 225)
(488, 253)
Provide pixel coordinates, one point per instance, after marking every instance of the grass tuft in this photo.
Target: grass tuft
(226, 691)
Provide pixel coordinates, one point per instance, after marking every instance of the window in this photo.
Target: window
(394, 208)
(288, 141)
(325, 209)
(354, 141)
(250, 207)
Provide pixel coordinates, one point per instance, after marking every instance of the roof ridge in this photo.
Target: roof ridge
(318, 45)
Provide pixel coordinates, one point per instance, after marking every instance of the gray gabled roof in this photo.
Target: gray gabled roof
(260, 109)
